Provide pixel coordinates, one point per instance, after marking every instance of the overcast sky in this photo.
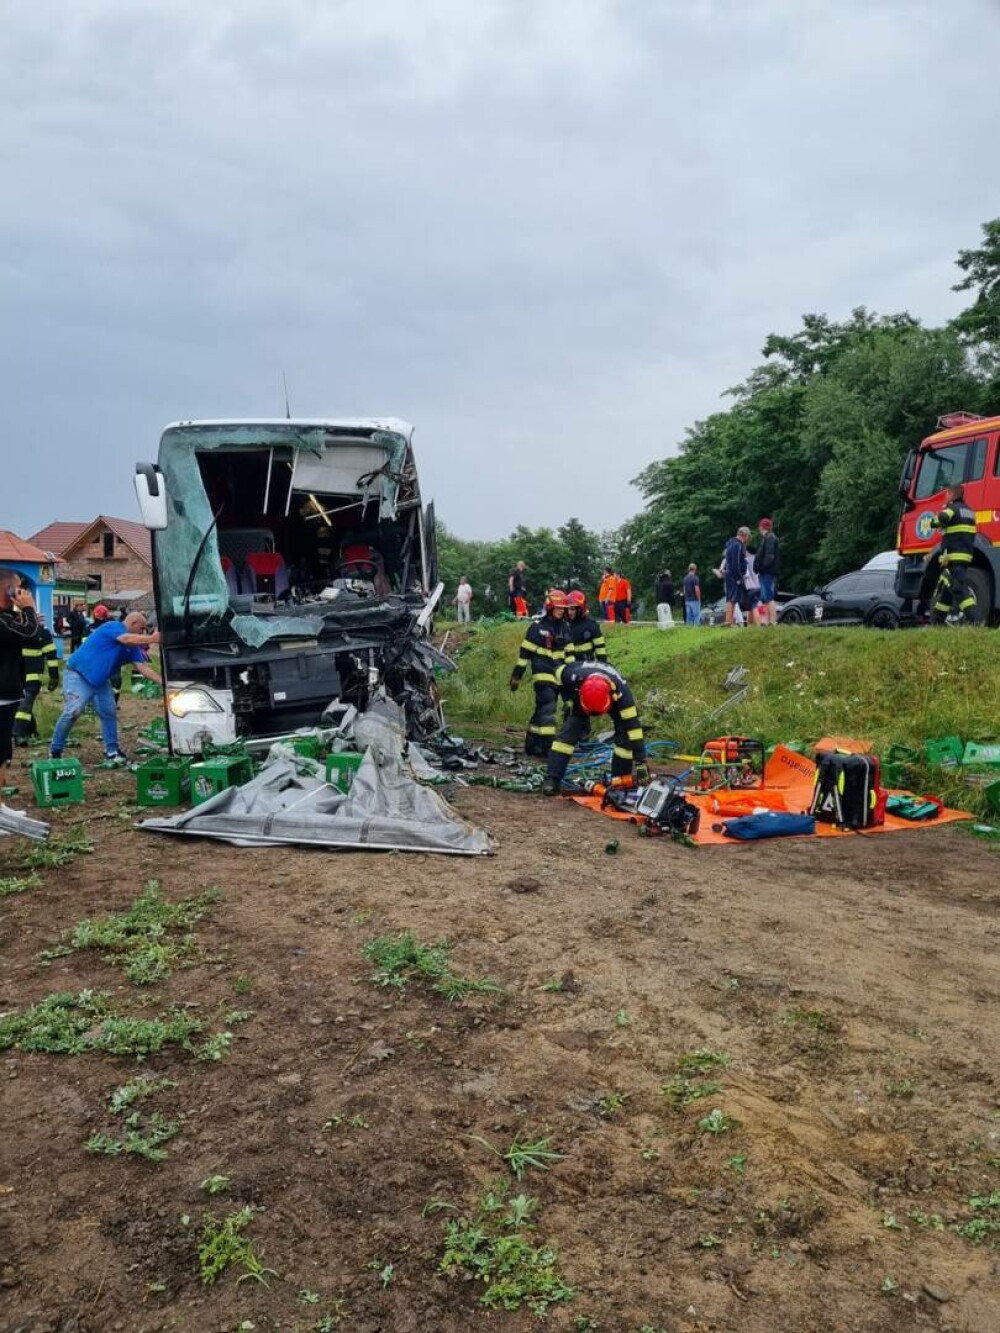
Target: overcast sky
(549, 233)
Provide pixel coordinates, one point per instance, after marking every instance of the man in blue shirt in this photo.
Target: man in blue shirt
(88, 677)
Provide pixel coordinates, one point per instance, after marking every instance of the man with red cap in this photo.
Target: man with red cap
(595, 689)
(765, 564)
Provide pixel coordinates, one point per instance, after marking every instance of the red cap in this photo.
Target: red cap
(101, 612)
(766, 524)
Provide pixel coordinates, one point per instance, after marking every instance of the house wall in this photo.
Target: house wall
(123, 570)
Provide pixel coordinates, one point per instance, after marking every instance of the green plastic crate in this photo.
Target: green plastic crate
(945, 751)
(164, 781)
(307, 746)
(982, 756)
(57, 781)
(211, 776)
(341, 768)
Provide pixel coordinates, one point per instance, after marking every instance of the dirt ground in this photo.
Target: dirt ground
(853, 983)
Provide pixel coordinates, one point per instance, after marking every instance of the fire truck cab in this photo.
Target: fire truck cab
(964, 449)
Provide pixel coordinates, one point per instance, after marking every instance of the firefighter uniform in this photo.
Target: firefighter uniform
(586, 641)
(36, 660)
(543, 649)
(958, 542)
(629, 743)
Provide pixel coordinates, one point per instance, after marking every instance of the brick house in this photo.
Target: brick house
(107, 556)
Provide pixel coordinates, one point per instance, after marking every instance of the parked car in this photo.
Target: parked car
(866, 597)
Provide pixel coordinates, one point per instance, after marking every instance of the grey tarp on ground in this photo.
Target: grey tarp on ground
(385, 809)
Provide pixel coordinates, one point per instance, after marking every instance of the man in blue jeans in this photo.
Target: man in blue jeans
(734, 568)
(692, 597)
(88, 673)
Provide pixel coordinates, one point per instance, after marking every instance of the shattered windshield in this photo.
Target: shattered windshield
(271, 525)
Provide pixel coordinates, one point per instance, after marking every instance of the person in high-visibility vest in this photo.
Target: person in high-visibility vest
(37, 659)
(606, 594)
(957, 523)
(623, 600)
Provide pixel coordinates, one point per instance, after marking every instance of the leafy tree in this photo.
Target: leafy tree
(980, 323)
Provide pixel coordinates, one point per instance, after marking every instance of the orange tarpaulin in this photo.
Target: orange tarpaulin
(789, 775)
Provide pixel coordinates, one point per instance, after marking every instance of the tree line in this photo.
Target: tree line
(814, 438)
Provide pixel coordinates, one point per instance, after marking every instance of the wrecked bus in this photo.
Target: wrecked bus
(294, 573)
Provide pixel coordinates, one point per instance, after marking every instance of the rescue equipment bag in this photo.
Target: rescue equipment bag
(846, 791)
(914, 807)
(771, 824)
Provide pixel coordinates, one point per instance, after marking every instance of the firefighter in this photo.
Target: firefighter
(586, 641)
(543, 649)
(958, 542)
(37, 658)
(593, 689)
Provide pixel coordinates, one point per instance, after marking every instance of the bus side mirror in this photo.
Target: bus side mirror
(151, 493)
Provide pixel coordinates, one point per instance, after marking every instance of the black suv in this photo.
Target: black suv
(866, 597)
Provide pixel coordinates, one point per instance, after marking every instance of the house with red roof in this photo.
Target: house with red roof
(24, 563)
(105, 560)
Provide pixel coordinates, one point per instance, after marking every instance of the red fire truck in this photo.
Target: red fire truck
(965, 448)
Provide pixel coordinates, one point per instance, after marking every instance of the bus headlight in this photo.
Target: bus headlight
(191, 700)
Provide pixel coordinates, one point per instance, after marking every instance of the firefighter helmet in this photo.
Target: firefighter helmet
(595, 694)
(556, 599)
(577, 601)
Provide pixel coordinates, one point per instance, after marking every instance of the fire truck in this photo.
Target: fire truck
(964, 449)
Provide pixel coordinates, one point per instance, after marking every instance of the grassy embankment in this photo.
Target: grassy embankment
(890, 688)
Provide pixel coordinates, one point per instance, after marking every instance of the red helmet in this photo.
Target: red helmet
(577, 599)
(556, 598)
(595, 694)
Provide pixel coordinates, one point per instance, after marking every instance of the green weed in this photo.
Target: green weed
(400, 959)
(717, 1122)
(306, 1297)
(623, 1019)
(242, 984)
(702, 1061)
(711, 1241)
(681, 1092)
(64, 1024)
(737, 1163)
(224, 1245)
(353, 1122)
(492, 1246)
(150, 938)
(985, 1224)
(523, 1154)
(215, 1047)
(929, 1221)
(610, 1103)
(143, 1137)
(136, 1090)
(902, 1088)
(57, 852)
(215, 1185)
(13, 884)
(889, 1286)
(817, 1019)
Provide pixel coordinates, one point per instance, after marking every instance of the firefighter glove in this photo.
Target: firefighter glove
(642, 774)
(514, 682)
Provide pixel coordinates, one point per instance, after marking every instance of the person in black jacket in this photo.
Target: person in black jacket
(665, 600)
(766, 568)
(18, 629)
(594, 689)
(37, 660)
(543, 649)
(957, 525)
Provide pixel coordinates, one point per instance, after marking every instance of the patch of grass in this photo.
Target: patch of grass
(494, 1246)
(215, 1047)
(65, 1024)
(144, 1137)
(608, 1104)
(711, 1241)
(338, 1119)
(737, 1164)
(57, 852)
(623, 1019)
(817, 1019)
(702, 1061)
(984, 1224)
(14, 884)
(150, 938)
(137, 1090)
(400, 959)
(215, 1184)
(681, 1092)
(523, 1154)
(717, 1122)
(901, 1088)
(928, 1221)
(224, 1245)
(242, 984)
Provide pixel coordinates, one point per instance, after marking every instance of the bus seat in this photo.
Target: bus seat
(232, 576)
(266, 573)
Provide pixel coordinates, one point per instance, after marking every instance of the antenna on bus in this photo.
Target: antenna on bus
(288, 410)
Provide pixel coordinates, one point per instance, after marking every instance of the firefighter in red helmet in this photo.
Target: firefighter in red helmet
(597, 689)
(586, 642)
(543, 649)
